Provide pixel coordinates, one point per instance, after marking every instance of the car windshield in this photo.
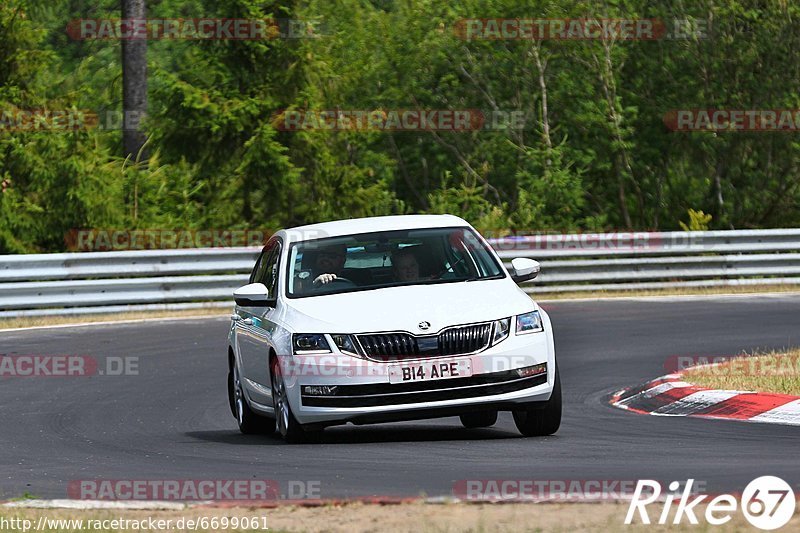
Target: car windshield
(388, 259)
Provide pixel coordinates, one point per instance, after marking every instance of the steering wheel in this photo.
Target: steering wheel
(338, 279)
(448, 270)
(322, 286)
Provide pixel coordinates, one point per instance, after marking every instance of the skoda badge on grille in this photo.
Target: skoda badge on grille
(424, 325)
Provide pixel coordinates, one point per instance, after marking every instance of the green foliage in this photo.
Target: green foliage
(698, 221)
(594, 152)
(470, 201)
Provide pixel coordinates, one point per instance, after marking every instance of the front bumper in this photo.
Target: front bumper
(349, 389)
(388, 394)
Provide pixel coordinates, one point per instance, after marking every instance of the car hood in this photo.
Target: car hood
(403, 308)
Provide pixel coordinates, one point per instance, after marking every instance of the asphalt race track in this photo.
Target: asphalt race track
(172, 421)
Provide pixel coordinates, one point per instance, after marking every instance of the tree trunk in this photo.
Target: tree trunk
(541, 66)
(622, 165)
(134, 84)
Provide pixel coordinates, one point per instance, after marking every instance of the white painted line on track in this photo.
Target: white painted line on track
(100, 504)
(114, 322)
(671, 297)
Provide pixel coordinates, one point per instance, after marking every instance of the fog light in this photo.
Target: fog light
(319, 390)
(534, 370)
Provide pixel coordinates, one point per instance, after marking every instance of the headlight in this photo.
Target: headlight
(501, 328)
(308, 343)
(346, 344)
(529, 323)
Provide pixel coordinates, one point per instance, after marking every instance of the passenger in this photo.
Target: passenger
(405, 266)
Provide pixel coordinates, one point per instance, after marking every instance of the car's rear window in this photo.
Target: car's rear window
(388, 259)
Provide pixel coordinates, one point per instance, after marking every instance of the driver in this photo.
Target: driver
(328, 264)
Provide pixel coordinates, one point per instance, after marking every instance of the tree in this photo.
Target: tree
(134, 83)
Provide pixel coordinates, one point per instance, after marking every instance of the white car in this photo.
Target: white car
(387, 319)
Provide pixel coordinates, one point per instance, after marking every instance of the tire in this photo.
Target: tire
(480, 419)
(288, 426)
(248, 421)
(544, 418)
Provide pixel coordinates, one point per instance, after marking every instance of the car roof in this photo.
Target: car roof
(350, 226)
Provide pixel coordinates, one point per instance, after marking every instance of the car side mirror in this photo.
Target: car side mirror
(254, 295)
(523, 269)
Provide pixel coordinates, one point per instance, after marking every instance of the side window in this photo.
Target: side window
(269, 274)
(258, 269)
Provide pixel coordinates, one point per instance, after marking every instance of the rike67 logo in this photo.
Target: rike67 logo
(767, 503)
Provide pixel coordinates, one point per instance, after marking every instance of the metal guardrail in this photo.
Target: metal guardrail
(78, 283)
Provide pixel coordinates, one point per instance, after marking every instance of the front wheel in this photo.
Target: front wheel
(544, 419)
(288, 426)
(249, 422)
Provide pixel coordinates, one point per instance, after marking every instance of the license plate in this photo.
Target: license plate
(430, 371)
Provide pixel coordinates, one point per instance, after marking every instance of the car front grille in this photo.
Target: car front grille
(391, 346)
(465, 339)
(458, 340)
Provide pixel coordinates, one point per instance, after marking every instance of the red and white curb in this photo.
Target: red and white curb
(671, 396)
